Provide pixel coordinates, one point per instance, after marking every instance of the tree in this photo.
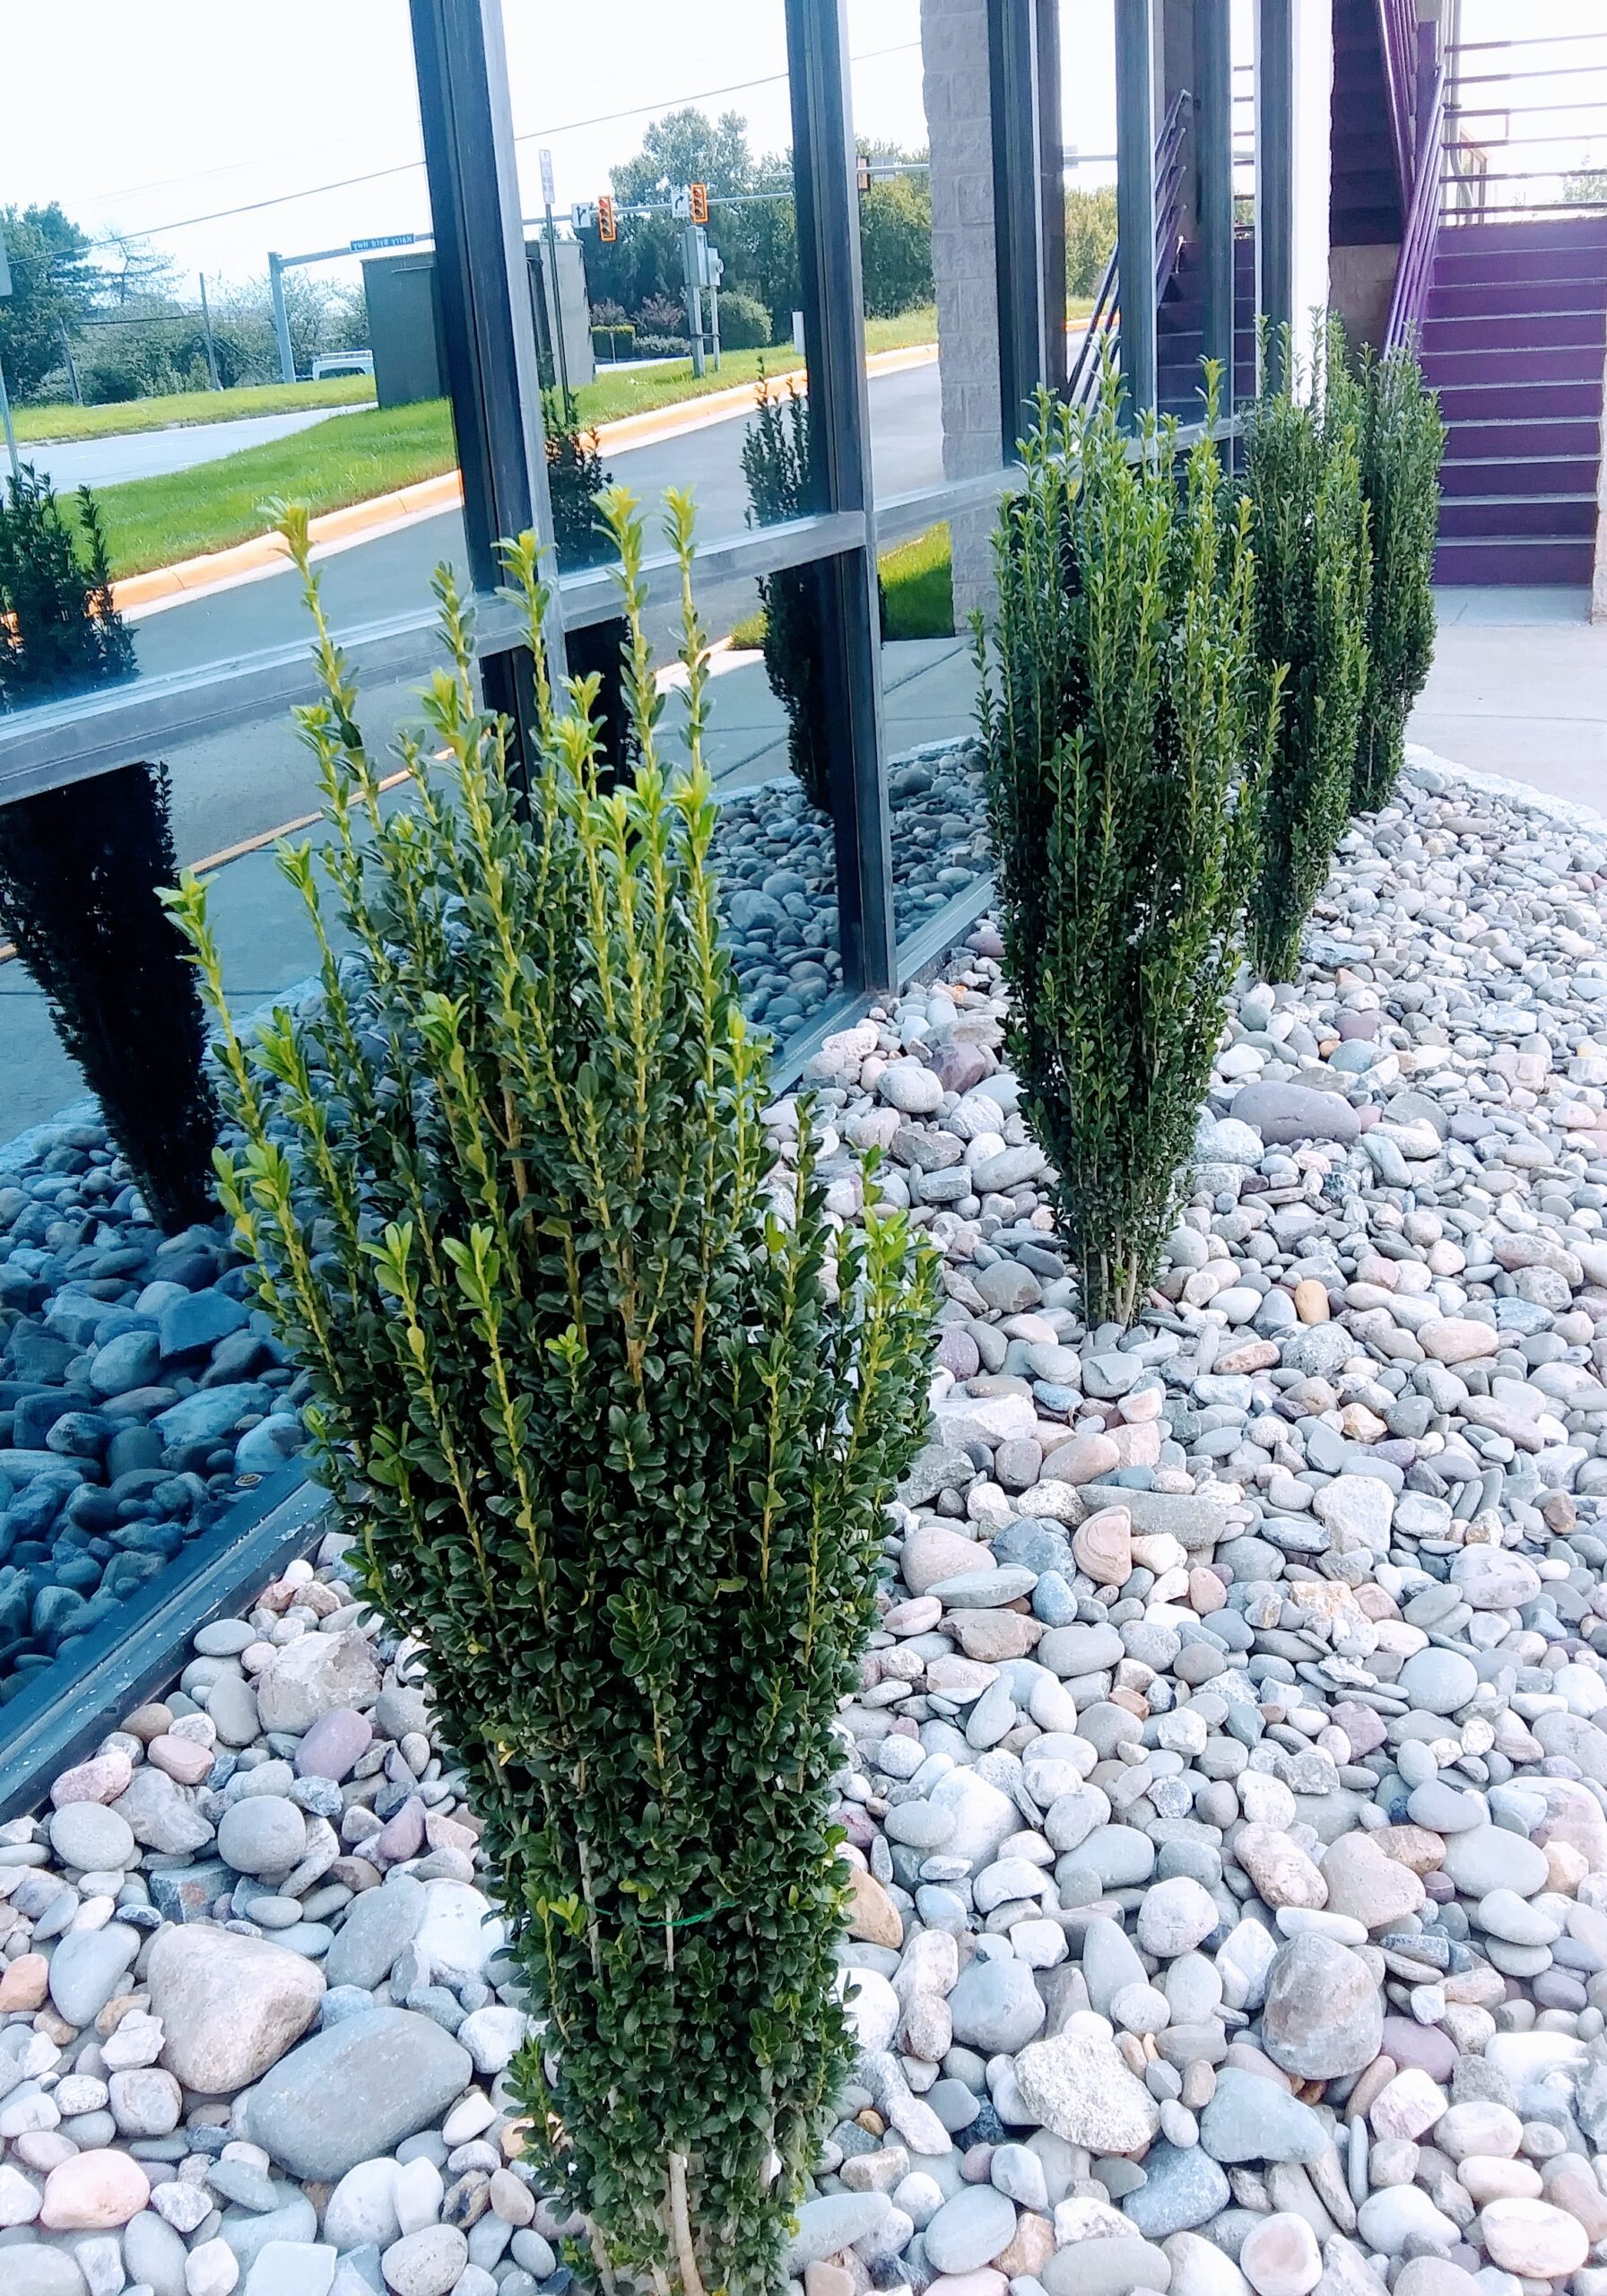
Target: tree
(1090, 238)
(758, 239)
(686, 146)
(895, 243)
(54, 286)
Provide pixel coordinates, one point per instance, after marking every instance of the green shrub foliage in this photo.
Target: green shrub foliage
(80, 870)
(59, 629)
(776, 465)
(744, 323)
(576, 478)
(1402, 445)
(1309, 533)
(1126, 738)
(612, 1409)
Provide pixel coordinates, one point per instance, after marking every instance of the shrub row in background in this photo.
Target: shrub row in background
(1181, 707)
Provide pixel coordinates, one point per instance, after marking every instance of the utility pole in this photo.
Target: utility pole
(10, 436)
(551, 287)
(694, 294)
(281, 324)
(212, 353)
(66, 353)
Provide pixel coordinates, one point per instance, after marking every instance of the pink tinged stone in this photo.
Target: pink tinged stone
(956, 1352)
(1135, 1445)
(102, 1778)
(1083, 1458)
(335, 1746)
(94, 2192)
(403, 1834)
(1454, 1339)
(1533, 2239)
(185, 1759)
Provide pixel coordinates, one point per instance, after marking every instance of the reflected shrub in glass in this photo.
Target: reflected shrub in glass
(60, 630)
(1127, 737)
(611, 1408)
(79, 874)
(776, 465)
(1402, 444)
(1309, 531)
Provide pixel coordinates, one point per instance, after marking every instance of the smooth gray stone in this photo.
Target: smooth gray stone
(355, 2091)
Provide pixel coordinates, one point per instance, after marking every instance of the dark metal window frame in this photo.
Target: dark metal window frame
(493, 380)
(463, 102)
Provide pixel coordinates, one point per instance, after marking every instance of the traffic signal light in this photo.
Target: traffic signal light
(607, 228)
(700, 202)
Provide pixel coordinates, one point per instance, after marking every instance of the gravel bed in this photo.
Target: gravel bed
(775, 852)
(138, 1389)
(1227, 1785)
(109, 1332)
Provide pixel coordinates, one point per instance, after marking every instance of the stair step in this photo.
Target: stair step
(1475, 300)
(1480, 481)
(1516, 438)
(1486, 563)
(1455, 266)
(1502, 329)
(1516, 365)
(1503, 401)
(1549, 518)
(1502, 237)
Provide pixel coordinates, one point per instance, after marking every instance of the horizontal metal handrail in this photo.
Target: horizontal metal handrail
(1510, 79)
(1556, 208)
(1525, 39)
(1525, 174)
(1104, 319)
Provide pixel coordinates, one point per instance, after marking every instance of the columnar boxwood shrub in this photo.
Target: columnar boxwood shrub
(1126, 738)
(611, 1408)
(60, 630)
(1402, 444)
(1309, 533)
(80, 870)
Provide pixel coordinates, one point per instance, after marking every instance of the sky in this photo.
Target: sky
(176, 109)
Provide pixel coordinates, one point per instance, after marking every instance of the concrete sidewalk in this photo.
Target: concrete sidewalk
(1519, 687)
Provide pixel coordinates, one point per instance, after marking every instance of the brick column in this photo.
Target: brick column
(954, 55)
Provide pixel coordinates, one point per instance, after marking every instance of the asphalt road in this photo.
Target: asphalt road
(153, 453)
(389, 576)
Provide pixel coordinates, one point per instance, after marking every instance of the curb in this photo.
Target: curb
(222, 569)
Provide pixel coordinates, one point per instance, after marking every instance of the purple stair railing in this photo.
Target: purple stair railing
(1421, 238)
(1398, 45)
(1105, 318)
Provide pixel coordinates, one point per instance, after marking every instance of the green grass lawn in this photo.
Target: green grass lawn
(917, 592)
(60, 423)
(633, 391)
(158, 521)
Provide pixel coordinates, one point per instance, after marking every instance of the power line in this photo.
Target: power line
(529, 136)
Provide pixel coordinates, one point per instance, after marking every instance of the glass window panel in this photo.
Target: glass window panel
(773, 847)
(927, 261)
(936, 794)
(147, 246)
(685, 106)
